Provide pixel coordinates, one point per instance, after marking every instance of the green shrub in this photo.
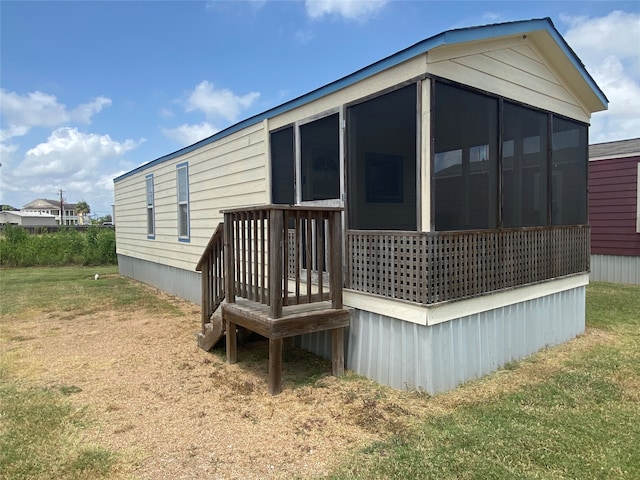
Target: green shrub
(96, 246)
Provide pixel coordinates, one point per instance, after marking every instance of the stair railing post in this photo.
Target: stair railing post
(335, 272)
(276, 226)
(204, 309)
(229, 271)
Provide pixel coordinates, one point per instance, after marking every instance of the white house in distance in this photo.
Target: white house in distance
(27, 219)
(460, 166)
(52, 207)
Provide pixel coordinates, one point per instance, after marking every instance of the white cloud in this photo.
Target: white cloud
(85, 111)
(608, 46)
(189, 134)
(219, 103)
(218, 106)
(20, 113)
(39, 109)
(71, 153)
(75, 161)
(349, 9)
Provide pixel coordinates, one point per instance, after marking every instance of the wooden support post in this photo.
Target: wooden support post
(335, 272)
(337, 351)
(232, 342)
(276, 223)
(275, 366)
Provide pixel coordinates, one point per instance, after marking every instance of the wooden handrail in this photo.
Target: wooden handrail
(267, 247)
(211, 265)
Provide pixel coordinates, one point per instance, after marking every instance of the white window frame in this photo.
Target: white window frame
(150, 210)
(182, 201)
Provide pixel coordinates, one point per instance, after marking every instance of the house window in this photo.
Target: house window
(151, 221)
(320, 159)
(182, 181)
(305, 162)
(282, 167)
(524, 167)
(382, 151)
(465, 165)
(569, 173)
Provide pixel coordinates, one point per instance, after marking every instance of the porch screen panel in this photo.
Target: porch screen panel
(382, 162)
(524, 167)
(282, 167)
(569, 173)
(320, 159)
(465, 159)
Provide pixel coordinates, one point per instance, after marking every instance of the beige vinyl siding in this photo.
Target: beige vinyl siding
(513, 68)
(225, 174)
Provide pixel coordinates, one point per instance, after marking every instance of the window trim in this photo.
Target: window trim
(152, 206)
(183, 238)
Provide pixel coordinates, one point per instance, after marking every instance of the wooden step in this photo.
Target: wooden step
(213, 331)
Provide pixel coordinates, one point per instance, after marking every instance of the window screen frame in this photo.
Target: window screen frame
(551, 117)
(182, 200)
(297, 158)
(492, 202)
(333, 202)
(415, 83)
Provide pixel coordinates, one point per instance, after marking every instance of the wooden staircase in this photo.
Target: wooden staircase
(213, 331)
(275, 270)
(211, 265)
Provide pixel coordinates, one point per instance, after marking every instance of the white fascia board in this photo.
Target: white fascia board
(443, 312)
(614, 156)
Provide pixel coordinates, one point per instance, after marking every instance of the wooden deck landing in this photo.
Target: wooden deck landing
(295, 320)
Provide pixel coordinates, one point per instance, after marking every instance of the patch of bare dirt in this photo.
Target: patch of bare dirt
(174, 411)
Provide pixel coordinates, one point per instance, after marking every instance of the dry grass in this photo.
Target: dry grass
(173, 411)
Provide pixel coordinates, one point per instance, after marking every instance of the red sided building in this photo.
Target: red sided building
(614, 211)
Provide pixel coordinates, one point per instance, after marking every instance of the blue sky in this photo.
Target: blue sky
(90, 90)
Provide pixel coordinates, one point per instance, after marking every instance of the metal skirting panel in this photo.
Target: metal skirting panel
(438, 358)
(176, 281)
(615, 268)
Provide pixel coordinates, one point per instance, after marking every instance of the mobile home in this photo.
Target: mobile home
(614, 211)
(439, 196)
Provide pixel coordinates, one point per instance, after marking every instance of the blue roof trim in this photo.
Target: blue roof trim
(484, 32)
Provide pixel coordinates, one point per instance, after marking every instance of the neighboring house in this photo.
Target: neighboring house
(52, 207)
(461, 165)
(27, 219)
(614, 211)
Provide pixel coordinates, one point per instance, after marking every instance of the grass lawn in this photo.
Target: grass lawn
(570, 412)
(40, 430)
(581, 422)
